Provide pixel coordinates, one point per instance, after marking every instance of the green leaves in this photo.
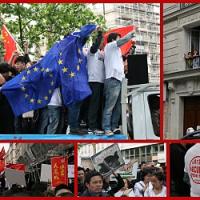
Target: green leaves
(49, 21)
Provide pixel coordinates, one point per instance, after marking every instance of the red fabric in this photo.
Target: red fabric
(19, 166)
(9, 43)
(2, 165)
(2, 153)
(122, 31)
(59, 171)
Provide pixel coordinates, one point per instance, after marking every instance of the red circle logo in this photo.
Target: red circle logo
(195, 169)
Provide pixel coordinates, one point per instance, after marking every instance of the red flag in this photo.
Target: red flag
(59, 171)
(10, 45)
(2, 153)
(18, 166)
(2, 165)
(122, 31)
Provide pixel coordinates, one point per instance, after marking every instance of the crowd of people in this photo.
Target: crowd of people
(192, 59)
(38, 189)
(150, 182)
(100, 112)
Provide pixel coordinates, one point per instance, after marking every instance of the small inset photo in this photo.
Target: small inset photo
(185, 169)
(36, 169)
(122, 170)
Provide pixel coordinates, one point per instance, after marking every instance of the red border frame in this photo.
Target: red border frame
(75, 142)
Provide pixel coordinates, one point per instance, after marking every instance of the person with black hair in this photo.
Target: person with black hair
(81, 180)
(158, 189)
(94, 184)
(6, 113)
(141, 186)
(125, 191)
(111, 190)
(114, 73)
(63, 190)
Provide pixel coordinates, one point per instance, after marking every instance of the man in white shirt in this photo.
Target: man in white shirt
(114, 70)
(192, 168)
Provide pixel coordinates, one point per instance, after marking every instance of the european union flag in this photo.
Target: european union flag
(64, 65)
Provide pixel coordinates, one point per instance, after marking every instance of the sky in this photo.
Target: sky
(5, 145)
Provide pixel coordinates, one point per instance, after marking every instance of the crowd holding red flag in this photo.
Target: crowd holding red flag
(59, 170)
(10, 45)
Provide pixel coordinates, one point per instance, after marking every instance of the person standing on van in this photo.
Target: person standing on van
(114, 70)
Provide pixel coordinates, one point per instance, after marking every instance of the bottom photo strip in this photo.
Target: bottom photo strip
(96, 169)
(99, 169)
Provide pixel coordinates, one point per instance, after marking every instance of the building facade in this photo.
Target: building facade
(130, 151)
(34, 154)
(146, 17)
(182, 83)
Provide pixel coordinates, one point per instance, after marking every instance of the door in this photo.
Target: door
(191, 113)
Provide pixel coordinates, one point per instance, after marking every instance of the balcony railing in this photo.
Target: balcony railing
(193, 63)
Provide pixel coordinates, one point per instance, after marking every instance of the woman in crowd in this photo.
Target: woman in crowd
(126, 191)
(158, 189)
(141, 186)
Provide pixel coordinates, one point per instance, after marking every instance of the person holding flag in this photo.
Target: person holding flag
(114, 70)
(64, 65)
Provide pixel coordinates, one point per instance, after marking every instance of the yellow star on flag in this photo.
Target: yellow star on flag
(46, 98)
(72, 74)
(28, 71)
(26, 95)
(47, 70)
(32, 100)
(23, 89)
(79, 51)
(80, 60)
(39, 101)
(52, 83)
(50, 91)
(78, 67)
(64, 69)
(23, 78)
(60, 62)
(35, 69)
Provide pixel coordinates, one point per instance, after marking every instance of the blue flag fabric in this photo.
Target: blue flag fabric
(64, 65)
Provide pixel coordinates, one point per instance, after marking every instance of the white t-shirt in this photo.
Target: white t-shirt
(128, 192)
(139, 188)
(150, 193)
(95, 66)
(192, 168)
(56, 99)
(114, 66)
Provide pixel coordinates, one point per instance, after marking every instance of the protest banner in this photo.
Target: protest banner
(59, 171)
(46, 173)
(15, 177)
(108, 160)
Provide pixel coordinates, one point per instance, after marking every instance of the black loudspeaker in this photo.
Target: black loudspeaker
(137, 69)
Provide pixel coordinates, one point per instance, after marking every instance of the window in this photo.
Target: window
(194, 40)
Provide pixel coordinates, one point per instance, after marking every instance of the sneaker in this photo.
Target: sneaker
(98, 132)
(116, 131)
(109, 133)
(90, 131)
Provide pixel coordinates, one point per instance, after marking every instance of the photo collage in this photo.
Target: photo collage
(100, 100)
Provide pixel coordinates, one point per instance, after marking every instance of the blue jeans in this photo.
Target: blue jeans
(73, 115)
(112, 109)
(54, 118)
(43, 120)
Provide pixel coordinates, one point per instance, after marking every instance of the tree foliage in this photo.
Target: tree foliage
(34, 22)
